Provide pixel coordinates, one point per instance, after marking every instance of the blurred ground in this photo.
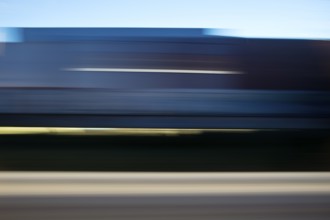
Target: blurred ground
(26, 195)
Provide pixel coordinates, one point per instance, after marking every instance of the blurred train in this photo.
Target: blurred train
(162, 78)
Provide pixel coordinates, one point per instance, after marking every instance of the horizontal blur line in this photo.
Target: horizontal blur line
(152, 70)
(112, 131)
(173, 176)
(75, 183)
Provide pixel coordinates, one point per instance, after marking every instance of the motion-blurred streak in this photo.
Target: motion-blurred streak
(112, 131)
(125, 70)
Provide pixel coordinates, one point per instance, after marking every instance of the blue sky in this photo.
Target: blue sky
(248, 18)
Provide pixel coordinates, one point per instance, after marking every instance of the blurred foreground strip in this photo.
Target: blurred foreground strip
(117, 184)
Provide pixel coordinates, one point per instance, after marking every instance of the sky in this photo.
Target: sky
(248, 18)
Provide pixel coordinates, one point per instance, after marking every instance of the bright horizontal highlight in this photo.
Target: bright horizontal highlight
(111, 131)
(152, 70)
